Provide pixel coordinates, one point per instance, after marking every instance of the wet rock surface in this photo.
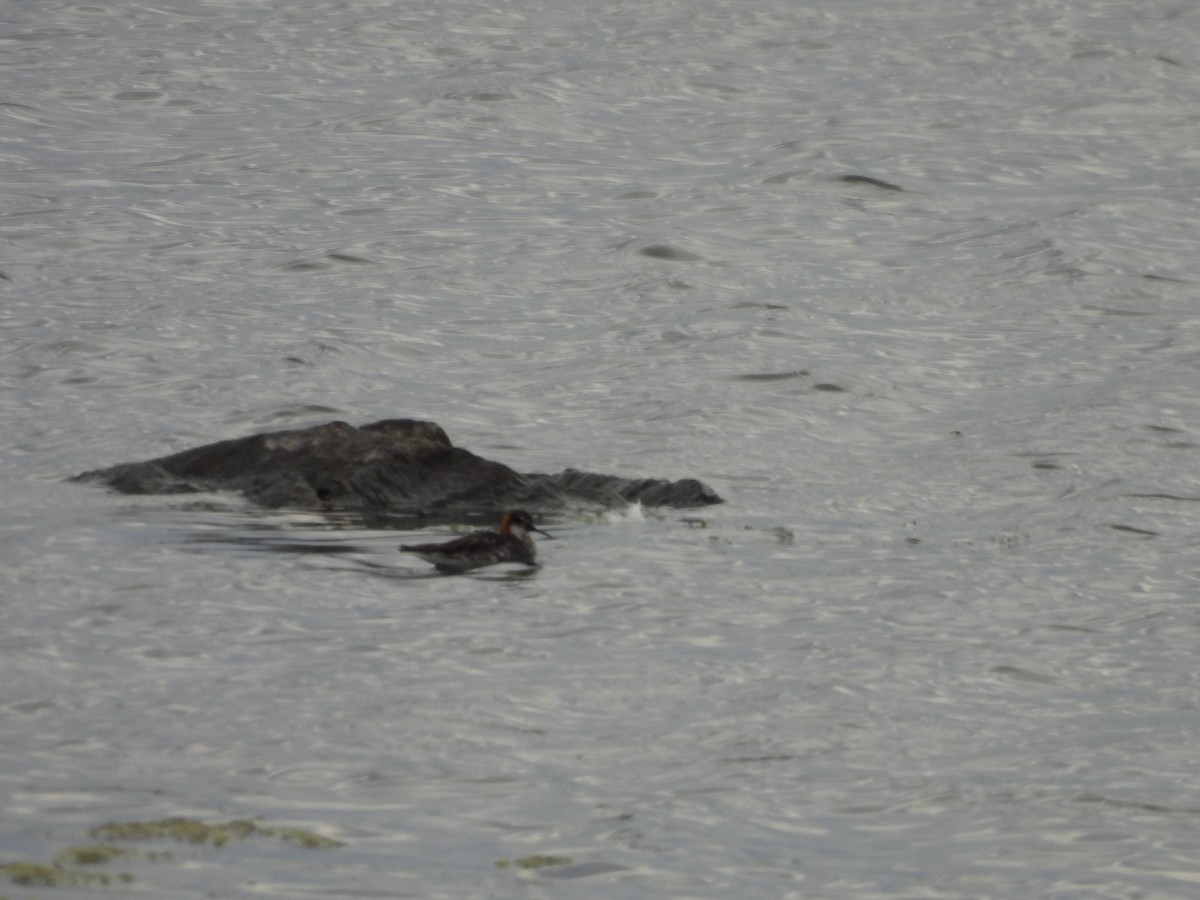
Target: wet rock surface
(403, 466)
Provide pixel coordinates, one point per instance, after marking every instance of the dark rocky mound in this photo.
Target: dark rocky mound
(400, 466)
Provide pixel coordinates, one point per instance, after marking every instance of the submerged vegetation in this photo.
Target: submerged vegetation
(89, 855)
(30, 874)
(64, 870)
(67, 868)
(537, 861)
(193, 831)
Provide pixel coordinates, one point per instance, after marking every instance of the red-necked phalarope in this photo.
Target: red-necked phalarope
(509, 543)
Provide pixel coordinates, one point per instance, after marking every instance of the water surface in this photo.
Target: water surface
(912, 286)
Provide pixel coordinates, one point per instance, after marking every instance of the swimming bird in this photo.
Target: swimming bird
(508, 543)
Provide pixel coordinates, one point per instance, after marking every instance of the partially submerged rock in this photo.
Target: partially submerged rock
(402, 466)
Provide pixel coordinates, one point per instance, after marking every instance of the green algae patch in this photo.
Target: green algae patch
(31, 874)
(301, 837)
(193, 831)
(89, 855)
(537, 861)
(187, 831)
(74, 865)
(37, 875)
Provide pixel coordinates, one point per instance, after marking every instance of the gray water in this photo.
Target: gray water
(939, 642)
